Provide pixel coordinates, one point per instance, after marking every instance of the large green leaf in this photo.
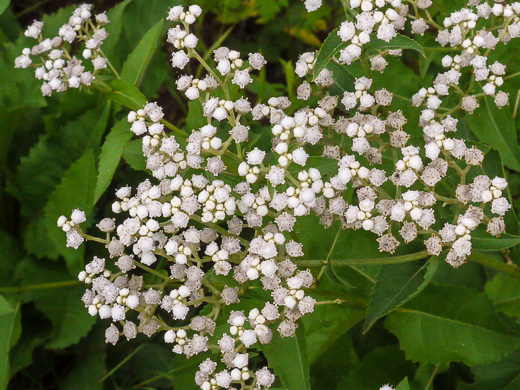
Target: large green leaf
(10, 329)
(327, 324)
(111, 153)
(504, 291)
(397, 284)
(445, 324)
(138, 60)
(60, 301)
(40, 172)
(503, 375)
(496, 128)
(288, 357)
(89, 366)
(76, 190)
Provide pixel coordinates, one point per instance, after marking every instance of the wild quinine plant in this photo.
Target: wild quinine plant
(208, 252)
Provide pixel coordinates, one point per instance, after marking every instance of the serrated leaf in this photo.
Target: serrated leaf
(40, 172)
(133, 155)
(127, 95)
(503, 375)
(333, 45)
(137, 62)
(288, 358)
(10, 330)
(76, 190)
(496, 127)
(487, 242)
(111, 153)
(451, 324)
(395, 285)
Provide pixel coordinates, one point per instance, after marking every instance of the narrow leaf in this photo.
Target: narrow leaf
(487, 242)
(137, 62)
(127, 95)
(111, 153)
(76, 190)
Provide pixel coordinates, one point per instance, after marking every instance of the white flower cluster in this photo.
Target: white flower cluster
(218, 216)
(57, 67)
(382, 17)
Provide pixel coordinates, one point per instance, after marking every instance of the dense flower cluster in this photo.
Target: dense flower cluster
(217, 217)
(57, 67)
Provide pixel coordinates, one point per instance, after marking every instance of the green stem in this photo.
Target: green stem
(23, 289)
(377, 261)
(122, 362)
(150, 270)
(509, 269)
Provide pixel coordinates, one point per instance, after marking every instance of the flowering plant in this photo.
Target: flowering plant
(356, 196)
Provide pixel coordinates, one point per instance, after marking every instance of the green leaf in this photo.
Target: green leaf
(195, 119)
(487, 242)
(496, 128)
(333, 44)
(111, 153)
(395, 285)
(127, 95)
(3, 5)
(114, 28)
(503, 375)
(504, 291)
(76, 190)
(133, 155)
(288, 357)
(327, 325)
(399, 42)
(330, 48)
(403, 385)
(380, 366)
(10, 330)
(41, 171)
(451, 324)
(62, 305)
(137, 62)
(89, 364)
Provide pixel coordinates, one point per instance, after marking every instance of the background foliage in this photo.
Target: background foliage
(442, 328)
